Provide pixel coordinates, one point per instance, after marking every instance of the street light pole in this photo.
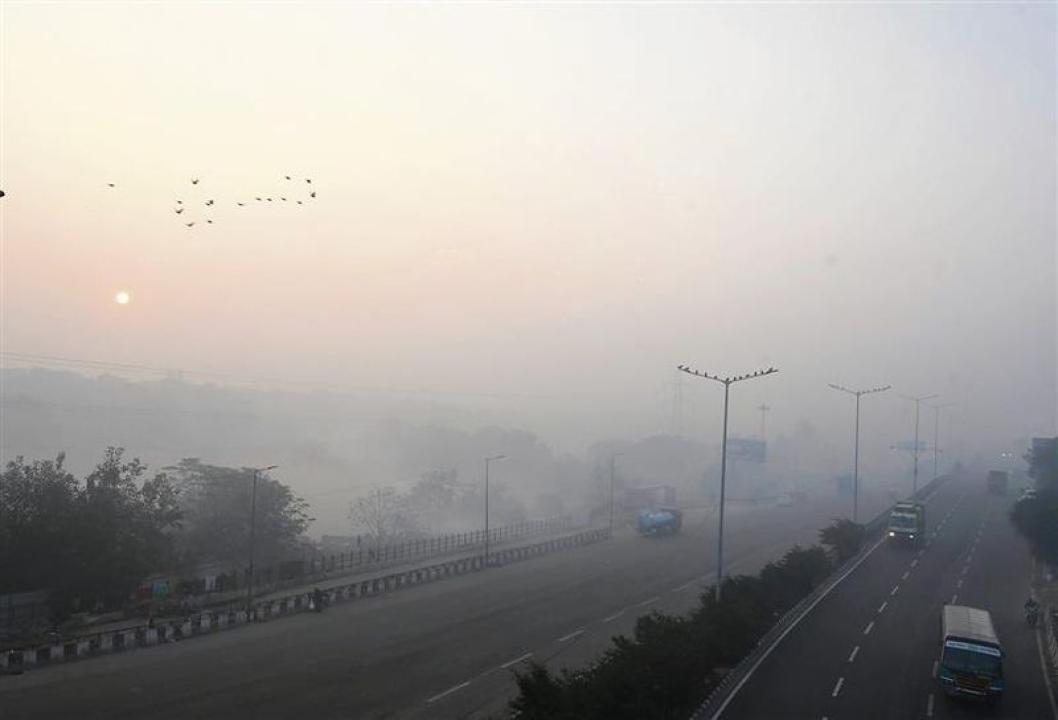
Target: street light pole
(727, 382)
(856, 445)
(613, 462)
(253, 528)
(487, 461)
(914, 472)
(936, 435)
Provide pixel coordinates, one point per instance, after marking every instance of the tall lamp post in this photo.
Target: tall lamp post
(914, 453)
(487, 461)
(253, 528)
(727, 382)
(936, 434)
(856, 444)
(613, 463)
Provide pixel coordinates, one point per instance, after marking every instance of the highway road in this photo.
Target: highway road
(869, 649)
(442, 650)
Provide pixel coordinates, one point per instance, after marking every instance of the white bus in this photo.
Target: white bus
(971, 659)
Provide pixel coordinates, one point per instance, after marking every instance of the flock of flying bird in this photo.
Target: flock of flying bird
(295, 185)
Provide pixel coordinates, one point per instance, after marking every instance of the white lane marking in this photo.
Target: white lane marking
(921, 553)
(648, 601)
(905, 575)
(958, 585)
(685, 585)
(870, 626)
(449, 691)
(516, 660)
(929, 705)
(881, 609)
(789, 628)
(914, 562)
(895, 590)
(953, 599)
(855, 651)
(616, 615)
(837, 687)
(936, 664)
(965, 569)
(572, 635)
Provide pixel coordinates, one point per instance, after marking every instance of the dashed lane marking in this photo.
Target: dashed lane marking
(914, 562)
(616, 615)
(959, 584)
(936, 664)
(905, 575)
(449, 691)
(929, 705)
(870, 626)
(854, 653)
(648, 601)
(837, 687)
(954, 598)
(516, 660)
(881, 608)
(894, 591)
(685, 585)
(572, 635)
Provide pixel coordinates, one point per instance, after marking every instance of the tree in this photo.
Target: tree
(215, 501)
(87, 544)
(382, 514)
(430, 501)
(1037, 519)
(843, 538)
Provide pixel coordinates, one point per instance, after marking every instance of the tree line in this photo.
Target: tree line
(91, 541)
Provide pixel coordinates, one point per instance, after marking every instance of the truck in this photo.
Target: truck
(662, 521)
(997, 482)
(971, 656)
(907, 522)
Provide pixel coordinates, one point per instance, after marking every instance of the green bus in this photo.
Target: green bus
(971, 659)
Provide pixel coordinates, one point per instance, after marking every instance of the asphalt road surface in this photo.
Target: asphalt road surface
(443, 650)
(868, 650)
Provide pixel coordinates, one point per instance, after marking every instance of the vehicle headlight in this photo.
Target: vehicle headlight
(912, 536)
(892, 534)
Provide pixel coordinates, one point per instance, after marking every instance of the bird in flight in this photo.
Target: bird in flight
(240, 204)
(110, 184)
(209, 202)
(312, 194)
(179, 210)
(308, 180)
(287, 177)
(258, 199)
(299, 202)
(190, 224)
(179, 202)
(194, 181)
(209, 221)
(283, 199)
(269, 199)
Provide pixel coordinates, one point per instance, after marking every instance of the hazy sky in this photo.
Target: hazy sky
(562, 201)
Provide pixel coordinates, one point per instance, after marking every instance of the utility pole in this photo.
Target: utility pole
(727, 382)
(764, 408)
(914, 453)
(487, 461)
(856, 444)
(253, 528)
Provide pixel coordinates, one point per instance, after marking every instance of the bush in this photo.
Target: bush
(843, 538)
(670, 664)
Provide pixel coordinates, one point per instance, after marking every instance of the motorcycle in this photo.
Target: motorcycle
(1032, 614)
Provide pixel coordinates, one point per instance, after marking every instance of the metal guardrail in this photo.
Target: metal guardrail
(719, 695)
(17, 660)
